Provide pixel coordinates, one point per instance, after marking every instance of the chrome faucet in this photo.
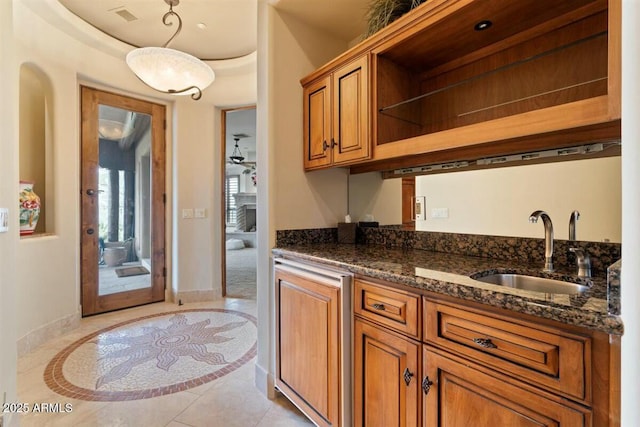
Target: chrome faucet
(548, 238)
(575, 215)
(582, 261)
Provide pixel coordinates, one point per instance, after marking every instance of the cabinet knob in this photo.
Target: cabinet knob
(426, 385)
(485, 342)
(91, 192)
(407, 375)
(333, 143)
(378, 306)
(89, 231)
(325, 146)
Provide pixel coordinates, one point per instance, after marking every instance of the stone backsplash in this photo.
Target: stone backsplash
(520, 249)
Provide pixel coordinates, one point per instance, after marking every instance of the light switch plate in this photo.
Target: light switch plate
(420, 207)
(187, 213)
(440, 213)
(200, 213)
(4, 220)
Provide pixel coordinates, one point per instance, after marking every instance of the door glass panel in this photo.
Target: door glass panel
(124, 194)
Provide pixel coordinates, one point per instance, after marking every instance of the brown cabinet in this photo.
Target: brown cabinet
(336, 116)
(460, 394)
(550, 359)
(386, 377)
(479, 367)
(393, 308)
(471, 80)
(308, 346)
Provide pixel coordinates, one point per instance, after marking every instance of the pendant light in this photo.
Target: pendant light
(168, 70)
(236, 157)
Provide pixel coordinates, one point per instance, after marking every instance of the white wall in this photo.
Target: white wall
(70, 52)
(499, 201)
(630, 213)
(369, 194)
(287, 197)
(8, 191)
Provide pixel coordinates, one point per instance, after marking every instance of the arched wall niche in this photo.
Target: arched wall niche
(36, 140)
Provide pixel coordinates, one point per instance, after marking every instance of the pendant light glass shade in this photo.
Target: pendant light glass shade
(170, 71)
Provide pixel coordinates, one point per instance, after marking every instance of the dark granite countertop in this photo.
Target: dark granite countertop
(448, 274)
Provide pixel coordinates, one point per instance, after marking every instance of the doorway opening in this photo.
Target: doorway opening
(239, 197)
(122, 198)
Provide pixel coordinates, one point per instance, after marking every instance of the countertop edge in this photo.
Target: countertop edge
(607, 323)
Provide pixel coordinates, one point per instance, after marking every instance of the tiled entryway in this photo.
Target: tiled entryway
(228, 398)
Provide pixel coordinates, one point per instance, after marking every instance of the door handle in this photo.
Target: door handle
(426, 385)
(89, 231)
(91, 192)
(407, 375)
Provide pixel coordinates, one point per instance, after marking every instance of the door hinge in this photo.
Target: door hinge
(164, 124)
(164, 271)
(164, 198)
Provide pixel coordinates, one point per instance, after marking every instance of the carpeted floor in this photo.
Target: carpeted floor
(241, 273)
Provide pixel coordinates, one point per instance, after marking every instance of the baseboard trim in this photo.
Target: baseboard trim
(44, 333)
(196, 296)
(265, 382)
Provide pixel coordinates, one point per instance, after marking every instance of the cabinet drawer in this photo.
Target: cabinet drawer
(556, 361)
(394, 308)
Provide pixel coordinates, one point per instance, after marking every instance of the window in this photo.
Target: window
(232, 186)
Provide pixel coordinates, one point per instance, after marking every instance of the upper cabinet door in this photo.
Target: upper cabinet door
(317, 124)
(351, 112)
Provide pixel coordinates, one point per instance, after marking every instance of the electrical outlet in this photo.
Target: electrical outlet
(200, 213)
(187, 213)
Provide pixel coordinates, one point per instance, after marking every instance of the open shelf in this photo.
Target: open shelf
(538, 81)
(562, 63)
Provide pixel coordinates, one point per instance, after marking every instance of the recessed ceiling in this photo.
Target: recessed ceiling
(211, 29)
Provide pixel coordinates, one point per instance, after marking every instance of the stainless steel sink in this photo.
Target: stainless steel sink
(532, 283)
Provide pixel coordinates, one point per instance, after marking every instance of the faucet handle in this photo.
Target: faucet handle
(583, 262)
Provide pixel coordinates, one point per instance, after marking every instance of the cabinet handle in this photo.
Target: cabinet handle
(324, 145)
(407, 376)
(378, 306)
(333, 143)
(484, 342)
(426, 385)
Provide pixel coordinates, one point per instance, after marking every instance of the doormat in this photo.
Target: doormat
(131, 271)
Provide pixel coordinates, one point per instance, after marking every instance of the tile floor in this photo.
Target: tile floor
(231, 400)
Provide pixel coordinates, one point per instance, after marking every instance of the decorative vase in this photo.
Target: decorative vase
(29, 208)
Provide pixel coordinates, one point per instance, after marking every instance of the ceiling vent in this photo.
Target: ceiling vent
(126, 15)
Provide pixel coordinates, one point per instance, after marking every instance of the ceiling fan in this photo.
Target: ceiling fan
(236, 157)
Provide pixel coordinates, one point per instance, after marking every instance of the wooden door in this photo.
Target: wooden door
(460, 396)
(308, 347)
(386, 377)
(122, 197)
(317, 124)
(351, 112)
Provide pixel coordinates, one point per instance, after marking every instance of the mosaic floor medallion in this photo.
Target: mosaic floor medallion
(154, 355)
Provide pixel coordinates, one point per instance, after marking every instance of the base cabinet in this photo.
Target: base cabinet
(387, 367)
(307, 345)
(460, 396)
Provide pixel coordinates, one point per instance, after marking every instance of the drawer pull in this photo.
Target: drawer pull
(378, 306)
(407, 376)
(426, 385)
(484, 342)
